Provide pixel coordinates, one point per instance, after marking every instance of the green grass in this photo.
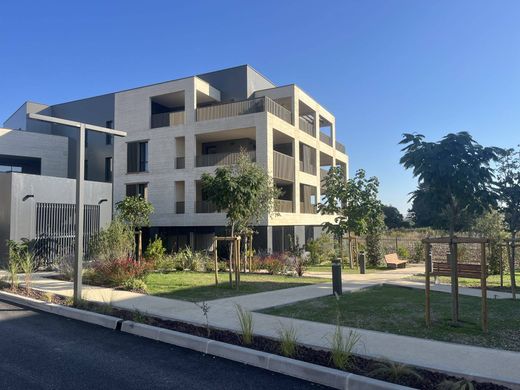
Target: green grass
(198, 286)
(492, 280)
(401, 311)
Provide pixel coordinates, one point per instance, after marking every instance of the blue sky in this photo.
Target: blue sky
(382, 67)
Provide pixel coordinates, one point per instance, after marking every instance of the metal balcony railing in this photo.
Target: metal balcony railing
(283, 166)
(307, 208)
(208, 160)
(323, 175)
(340, 147)
(283, 206)
(167, 119)
(180, 163)
(325, 138)
(179, 207)
(205, 207)
(244, 107)
(308, 168)
(307, 126)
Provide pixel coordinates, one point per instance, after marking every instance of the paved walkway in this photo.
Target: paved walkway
(474, 361)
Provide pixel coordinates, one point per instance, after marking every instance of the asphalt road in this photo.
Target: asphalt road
(44, 351)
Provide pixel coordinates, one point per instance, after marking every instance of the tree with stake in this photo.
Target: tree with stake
(508, 183)
(244, 191)
(135, 212)
(455, 180)
(353, 202)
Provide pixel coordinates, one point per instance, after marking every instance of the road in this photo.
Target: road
(44, 351)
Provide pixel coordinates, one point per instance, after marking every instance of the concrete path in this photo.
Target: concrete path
(485, 363)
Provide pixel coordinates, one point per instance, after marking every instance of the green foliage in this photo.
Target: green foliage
(342, 346)
(135, 211)
(244, 191)
(394, 372)
(403, 252)
(27, 267)
(245, 319)
(491, 225)
(463, 384)
(417, 254)
(13, 263)
(138, 317)
(155, 250)
(114, 242)
(454, 175)
(65, 266)
(508, 183)
(288, 340)
(135, 285)
(393, 218)
(188, 259)
(320, 249)
(296, 257)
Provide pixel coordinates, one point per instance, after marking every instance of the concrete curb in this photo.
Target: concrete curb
(64, 311)
(311, 372)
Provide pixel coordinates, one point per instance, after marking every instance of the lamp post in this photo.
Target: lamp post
(80, 171)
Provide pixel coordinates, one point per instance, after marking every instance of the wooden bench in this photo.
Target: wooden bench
(393, 261)
(463, 270)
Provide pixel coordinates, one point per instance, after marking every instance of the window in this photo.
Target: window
(137, 189)
(109, 124)
(137, 157)
(86, 138)
(108, 169)
(85, 176)
(109, 138)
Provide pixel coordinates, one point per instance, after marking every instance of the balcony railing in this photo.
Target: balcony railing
(205, 207)
(308, 168)
(283, 206)
(307, 208)
(208, 160)
(243, 107)
(167, 119)
(307, 126)
(323, 175)
(179, 207)
(283, 166)
(180, 163)
(340, 147)
(325, 138)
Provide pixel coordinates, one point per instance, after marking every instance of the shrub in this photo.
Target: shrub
(321, 249)
(210, 265)
(65, 266)
(245, 319)
(188, 259)
(374, 249)
(394, 372)
(26, 263)
(403, 252)
(155, 250)
(288, 340)
(114, 242)
(135, 285)
(463, 384)
(274, 264)
(167, 263)
(297, 260)
(342, 346)
(116, 272)
(417, 255)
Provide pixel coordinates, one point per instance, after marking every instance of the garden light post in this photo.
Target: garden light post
(80, 172)
(337, 288)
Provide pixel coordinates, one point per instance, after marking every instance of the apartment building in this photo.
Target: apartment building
(178, 130)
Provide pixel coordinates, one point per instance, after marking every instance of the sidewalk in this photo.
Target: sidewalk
(448, 357)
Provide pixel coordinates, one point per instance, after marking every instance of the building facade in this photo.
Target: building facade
(180, 129)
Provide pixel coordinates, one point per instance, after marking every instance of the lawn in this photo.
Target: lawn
(401, 311)
(493, 281)
(198, 286)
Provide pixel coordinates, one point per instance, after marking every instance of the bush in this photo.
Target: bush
(374, 249)
(167, 263)
(274, 264)
(135, 285)
(403, 252)
(65, 266)
(155, 250)
(116, 272)
(417, 255)
(114, 242)
(188, 259)
(210, 265)
(321, 249)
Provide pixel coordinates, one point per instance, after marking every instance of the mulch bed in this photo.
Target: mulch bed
(359, 365)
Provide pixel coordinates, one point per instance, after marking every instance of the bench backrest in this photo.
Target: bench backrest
(463, 270)
(392, 258)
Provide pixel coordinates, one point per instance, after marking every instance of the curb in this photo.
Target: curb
(307, 371)
(64, 311)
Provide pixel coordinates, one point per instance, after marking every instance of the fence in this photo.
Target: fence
(55, 231)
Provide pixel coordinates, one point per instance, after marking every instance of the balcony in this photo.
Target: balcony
(307, 126)
(323, 175)
(307, 208)
(307, 168)
(243, 107)
(179, 207)
(283, 206)
(180, 163)
(340, 147)
(209, 160)
(167, 119)
(325, 138)
(205, 207)
(283, 166)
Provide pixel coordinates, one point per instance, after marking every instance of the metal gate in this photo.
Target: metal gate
(55, 230)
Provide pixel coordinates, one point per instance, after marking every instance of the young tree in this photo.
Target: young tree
(244, 191)
(393, 217)
(508, 183)
(353, 202)
(135, 212)
(455, 180)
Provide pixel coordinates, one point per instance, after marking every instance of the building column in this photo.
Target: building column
(296, 189)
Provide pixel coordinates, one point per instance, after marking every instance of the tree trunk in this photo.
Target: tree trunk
(512, 264)
(454, 274)
(139, 253)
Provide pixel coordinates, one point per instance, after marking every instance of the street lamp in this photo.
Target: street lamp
(80, 169)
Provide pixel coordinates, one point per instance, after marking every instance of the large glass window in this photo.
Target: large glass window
(137, 157)
(137, 189)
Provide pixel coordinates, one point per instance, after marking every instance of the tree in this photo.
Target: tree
(244, 191)
(353, 202)
(491, 226)
(393, 218)
(135, 212)
(508, 188)
(455, 181)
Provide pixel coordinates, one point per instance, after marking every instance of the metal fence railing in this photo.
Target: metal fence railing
(208, 160)
(283, 166)
(167, 119)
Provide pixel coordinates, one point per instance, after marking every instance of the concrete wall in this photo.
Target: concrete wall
(18, 216)
(51, 149)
